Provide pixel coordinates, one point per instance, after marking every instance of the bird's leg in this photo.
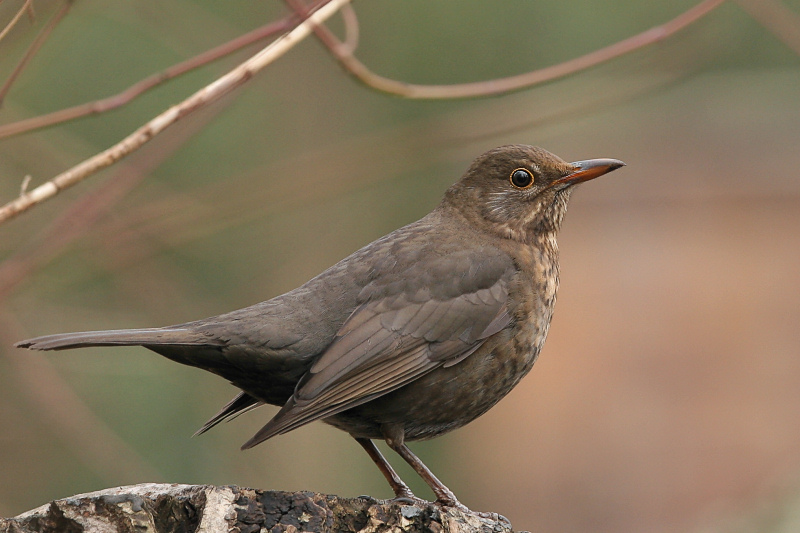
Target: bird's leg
(395, 438)
(401, 490)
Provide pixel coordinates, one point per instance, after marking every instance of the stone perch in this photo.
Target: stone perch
(171, 508)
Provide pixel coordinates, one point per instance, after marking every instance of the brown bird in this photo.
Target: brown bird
(412, 336)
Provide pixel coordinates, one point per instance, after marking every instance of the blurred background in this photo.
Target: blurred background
(667, 397)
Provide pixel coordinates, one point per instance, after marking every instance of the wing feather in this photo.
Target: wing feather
(399, 334)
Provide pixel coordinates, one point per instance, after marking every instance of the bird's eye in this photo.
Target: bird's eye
(521, 178)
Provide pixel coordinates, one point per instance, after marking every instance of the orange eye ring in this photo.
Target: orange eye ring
(521, 178)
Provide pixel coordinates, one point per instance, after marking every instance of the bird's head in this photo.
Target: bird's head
(521, 191)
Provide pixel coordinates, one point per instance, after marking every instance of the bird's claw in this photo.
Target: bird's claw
(408, 498)
(455, 504)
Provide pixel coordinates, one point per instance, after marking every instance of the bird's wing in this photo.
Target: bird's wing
(402, 331)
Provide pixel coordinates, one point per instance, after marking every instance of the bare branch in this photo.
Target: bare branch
(73, 222)
(781, 21)
(200, 99)
(351, 31)
(139, 88)
(23, 188)
(513, 83)
(74, 419)
(13, 22)
(31, 12)
(37, 43)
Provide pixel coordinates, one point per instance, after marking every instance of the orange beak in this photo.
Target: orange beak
(589, 170)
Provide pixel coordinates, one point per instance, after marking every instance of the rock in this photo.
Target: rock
(164, 508)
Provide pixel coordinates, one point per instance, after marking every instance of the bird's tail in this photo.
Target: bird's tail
(121, 337)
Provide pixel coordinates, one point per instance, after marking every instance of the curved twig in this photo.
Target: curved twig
(781, 21)
(13, 22)
(37, 43)
(513, 83)
(200, 99)
(351, 33)
(139, 88)
(73, 222)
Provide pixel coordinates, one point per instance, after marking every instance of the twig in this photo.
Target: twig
(781, 21)
(351, 28)
(73, 222)
(37, 43)
(67, 415)
(23, 188)
(513, 83)
(201, 98)
(351, 31)
(137, 89)
(13, 22)
(31, 13)
(160, 222)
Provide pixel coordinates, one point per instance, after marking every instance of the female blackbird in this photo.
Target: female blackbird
(414, 335)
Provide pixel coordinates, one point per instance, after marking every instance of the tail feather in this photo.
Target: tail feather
(121, 337)
(239, 405)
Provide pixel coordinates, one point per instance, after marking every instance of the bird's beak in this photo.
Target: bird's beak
(589, 170)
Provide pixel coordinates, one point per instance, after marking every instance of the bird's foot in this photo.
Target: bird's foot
(408, 500)
(407, 497)
(455, 504)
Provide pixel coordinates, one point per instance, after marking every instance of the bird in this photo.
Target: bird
(412, 336)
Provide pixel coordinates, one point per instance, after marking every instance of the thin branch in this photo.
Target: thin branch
(13, 22)
(139, 88)
(35, 46)
(160, 222)
(351, 30)
(67, 415)
(513, 83)
(200, 99)
(781, 21)
(31, 13)
(73, 222)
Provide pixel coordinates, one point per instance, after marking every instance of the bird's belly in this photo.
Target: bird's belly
(447, 398)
